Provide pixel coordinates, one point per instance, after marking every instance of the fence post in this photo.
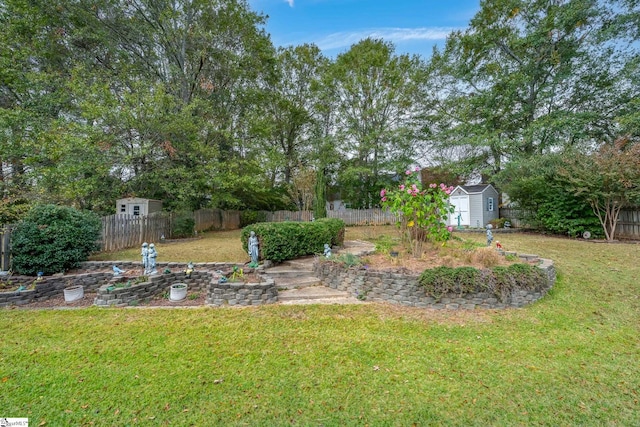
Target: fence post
(5, 248)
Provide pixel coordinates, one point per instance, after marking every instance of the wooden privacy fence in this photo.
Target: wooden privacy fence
(349, 216)
(5, 247)
(629, 224)
(281, 216)
(127, 231)
(216, 219)
(515, 217)
(363, 216)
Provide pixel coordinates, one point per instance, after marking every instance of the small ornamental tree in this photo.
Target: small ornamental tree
(52, 239)
(608, 179)
(421, 212)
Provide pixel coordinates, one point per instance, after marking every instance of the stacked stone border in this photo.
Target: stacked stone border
(404, 289)
(120, 291)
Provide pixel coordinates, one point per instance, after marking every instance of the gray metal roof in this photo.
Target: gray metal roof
(478, 188)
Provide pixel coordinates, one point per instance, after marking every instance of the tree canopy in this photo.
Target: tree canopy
(189, 102)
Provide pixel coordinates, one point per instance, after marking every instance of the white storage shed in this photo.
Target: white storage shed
(475, 205)
(137, 206)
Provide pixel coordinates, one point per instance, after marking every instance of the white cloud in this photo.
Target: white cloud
(395, 35)
(290, 2)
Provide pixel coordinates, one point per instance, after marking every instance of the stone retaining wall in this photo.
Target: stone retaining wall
(243, 293)
(48, 287)
(110, 290)
(404, 289)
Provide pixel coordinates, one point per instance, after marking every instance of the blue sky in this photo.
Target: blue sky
(413, 26)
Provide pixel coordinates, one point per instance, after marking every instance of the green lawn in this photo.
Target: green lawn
(570, 359)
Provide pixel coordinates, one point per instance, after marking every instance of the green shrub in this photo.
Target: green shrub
(183, 225)
(336, 228)
(348, 259)
(53, 239)
(501, 281)
(13, 210)
(384, 244)
(440, 281)
(516, 276)
(280, 241)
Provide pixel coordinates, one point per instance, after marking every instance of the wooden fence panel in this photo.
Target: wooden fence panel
(230, 220)
(515, 217)
(5, 248)
(207, 219)
(349, 216)
(629, 224)
(281, 216)
(363, 216)
(126, 231)
(216, 219)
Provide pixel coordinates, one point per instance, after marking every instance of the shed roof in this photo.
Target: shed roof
(475, 189)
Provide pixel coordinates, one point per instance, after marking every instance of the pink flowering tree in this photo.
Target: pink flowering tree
(421, 212)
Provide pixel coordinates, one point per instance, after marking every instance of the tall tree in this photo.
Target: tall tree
(285, 120)
(379, 95)
(526, 77)
(153, 90)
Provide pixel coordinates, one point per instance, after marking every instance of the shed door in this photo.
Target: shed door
(461, 206)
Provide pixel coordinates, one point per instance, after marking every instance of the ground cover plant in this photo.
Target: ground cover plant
(570, 359)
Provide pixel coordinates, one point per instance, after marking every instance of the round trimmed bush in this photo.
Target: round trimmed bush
(53, 239)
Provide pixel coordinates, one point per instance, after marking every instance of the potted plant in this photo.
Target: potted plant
(73, 293)
(178, 292)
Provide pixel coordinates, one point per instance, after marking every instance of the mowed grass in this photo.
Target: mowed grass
(221, 246)
(570, 359)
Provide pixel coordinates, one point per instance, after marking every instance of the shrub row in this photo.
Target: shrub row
(501, 281)
(280, 241)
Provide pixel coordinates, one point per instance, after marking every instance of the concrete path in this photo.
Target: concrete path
(297, 283)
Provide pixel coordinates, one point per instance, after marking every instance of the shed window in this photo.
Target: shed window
(123, 208)
(136, 210)
(490, 204)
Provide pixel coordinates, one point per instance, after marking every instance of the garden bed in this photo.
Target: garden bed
(380, 278)
(103, 288)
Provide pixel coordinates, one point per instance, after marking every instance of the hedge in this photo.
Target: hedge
(280, 241)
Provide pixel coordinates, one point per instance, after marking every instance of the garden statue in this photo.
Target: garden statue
(117, 271)
(253, 249)
(145, 256)
(489, 234)
(327, 250)
(152, 259)
(189, 269)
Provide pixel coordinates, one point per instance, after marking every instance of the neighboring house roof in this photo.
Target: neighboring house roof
(474, 189)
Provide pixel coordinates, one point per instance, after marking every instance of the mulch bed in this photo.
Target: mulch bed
(59, 302)
(193, 299)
